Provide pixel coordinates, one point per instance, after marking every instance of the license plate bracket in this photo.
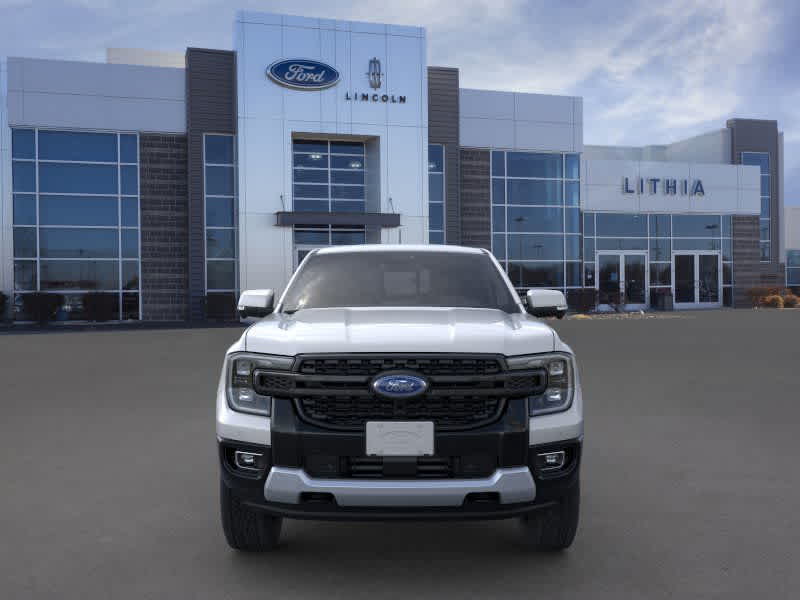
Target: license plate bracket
(399, 438)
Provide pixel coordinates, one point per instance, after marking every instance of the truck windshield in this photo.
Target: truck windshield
(399, 278)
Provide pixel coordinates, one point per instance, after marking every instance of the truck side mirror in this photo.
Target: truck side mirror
(256, 303)
(546, 303)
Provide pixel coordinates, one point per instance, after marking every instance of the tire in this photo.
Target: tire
(247, 529)
(553, 529)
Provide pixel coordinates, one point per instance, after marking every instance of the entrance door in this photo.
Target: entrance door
(622, 280)
(697, 279)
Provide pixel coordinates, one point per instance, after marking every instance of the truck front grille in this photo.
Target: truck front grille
(465, 391)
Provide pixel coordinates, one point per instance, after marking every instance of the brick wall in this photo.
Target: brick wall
(165, 232)
(476, 218)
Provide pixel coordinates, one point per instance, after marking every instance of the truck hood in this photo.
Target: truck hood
(340, 330)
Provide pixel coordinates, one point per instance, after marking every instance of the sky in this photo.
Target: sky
(649, 72)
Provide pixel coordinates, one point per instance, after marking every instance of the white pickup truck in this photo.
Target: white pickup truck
(399, 382)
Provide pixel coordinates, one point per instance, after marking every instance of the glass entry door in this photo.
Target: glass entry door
(697, 279)
(622, 280)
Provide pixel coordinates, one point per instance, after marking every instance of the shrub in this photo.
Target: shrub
(41, 306)
(773, 301)
(582, 300)
(790, 301)
(99, 306)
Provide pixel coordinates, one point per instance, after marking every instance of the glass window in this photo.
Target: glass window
(765, 191)
(572, 193)
(347, 237)
(319, 161)
(695, 244)
(530, 164)
(763, 229)
(66, 178)
(573, 166)
(347, 192)
(696, 225)
(727, 249)
(727, 226)
(311, 237)
(535, 247)
(793, 258)
(220, 243)
(219, 149)
(128, 148)
(588, 224)
(436, 192)
(79, 275)
(436, 237)
(622, 225)
(25, 242)
(572, 220)
(357, 177)
(765, 207)
(435, 158)
(536, 219)
(23, 176)
(498, 191)
(498, 218)
(727, 297)
(588, 274)
(77, 210)
(130, 275)
(347, 148)
(25, 275)
(311, 205)
(130, 243)
(221, 275)
(499, 246)
(572, 247)
(56, 242)
(78, 146)
(23, 143)
(130, 212)
(660, 274)
(436, 216)
(536, 274)
(339, 162)
(130, 307)
(312, 146)
(312, 175)
(588, 249)
(528, 191)
(219, 181)
(573, 274)
(310, 191)
(129, 176)
(765, 250)
(660, 226)
(660, 249)
(727, 273)
(498, 163)
(621, 243)
(347, 206)
(219, 212)
(24, 209)
(759, 159)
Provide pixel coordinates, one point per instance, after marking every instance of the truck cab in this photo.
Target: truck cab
(399, 382)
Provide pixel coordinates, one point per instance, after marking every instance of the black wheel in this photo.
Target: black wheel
(553, 528)
(245, 528)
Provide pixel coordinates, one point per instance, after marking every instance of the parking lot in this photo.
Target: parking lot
(691, 483)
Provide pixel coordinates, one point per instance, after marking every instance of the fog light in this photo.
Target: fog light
(551, 461)
(248, 460)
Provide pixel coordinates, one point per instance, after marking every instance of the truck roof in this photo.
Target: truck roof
(399, 248)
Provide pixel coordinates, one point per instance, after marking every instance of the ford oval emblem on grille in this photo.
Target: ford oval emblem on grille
(399, 385)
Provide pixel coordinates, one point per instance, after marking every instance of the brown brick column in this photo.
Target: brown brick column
(476, 216)
(746, 254)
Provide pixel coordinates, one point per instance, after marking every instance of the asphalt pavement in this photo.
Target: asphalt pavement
(691, 482)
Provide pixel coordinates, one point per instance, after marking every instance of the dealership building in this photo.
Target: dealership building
(173, 181)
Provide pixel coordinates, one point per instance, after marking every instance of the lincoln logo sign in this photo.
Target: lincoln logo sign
(399, 386)
(667, 186)
(301, 74)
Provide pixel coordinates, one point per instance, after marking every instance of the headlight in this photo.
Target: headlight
(239, 370)
(560, 381)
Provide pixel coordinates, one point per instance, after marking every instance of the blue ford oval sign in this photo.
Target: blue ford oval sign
(303, 74)
(399, 386)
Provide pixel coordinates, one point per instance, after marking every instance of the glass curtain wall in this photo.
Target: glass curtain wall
(660, 235)
(536, 218)
(76, 221)
(793, 268)
(761, 160)
(436, 193)
(219, 152)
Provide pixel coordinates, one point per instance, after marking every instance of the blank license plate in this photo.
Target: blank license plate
(400, 438)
